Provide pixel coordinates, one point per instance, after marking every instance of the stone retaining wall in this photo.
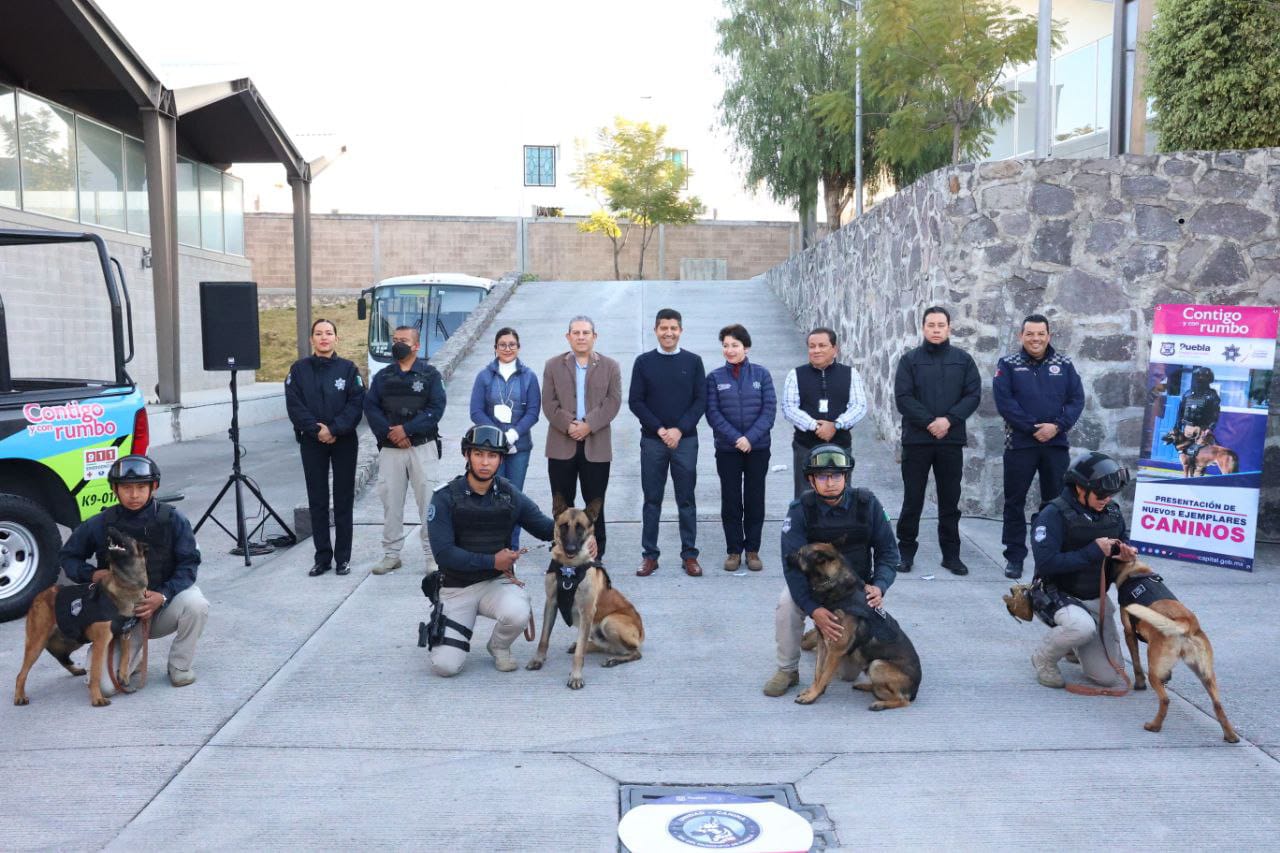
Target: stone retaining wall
(1092, 244)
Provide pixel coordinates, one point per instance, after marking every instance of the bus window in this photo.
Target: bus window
(395, 307)
(454, 304)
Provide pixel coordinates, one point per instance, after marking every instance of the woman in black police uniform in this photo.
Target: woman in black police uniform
(325, 398)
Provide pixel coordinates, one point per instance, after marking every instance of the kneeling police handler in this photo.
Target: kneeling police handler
(469, 522)
(1073, 536)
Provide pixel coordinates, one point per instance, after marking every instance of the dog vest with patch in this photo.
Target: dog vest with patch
(848, 530)
(1079, 528)
(77, 607)
(568, 579)
(1145, 590)
(883, 626)
(481, 525)
(156, 533)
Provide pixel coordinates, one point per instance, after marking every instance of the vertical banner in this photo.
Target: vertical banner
(1200, 465)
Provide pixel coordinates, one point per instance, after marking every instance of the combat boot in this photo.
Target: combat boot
(1047, 672)
(782, 681)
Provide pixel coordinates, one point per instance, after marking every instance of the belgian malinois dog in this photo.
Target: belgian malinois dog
(110, 604)
(1210, 453)
(605, 620)
(872, 639)
(1171, 632)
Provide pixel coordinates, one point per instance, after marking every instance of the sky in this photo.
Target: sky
(434, 100)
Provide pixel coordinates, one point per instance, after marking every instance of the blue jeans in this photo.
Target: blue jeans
(655, 459)
(513, 467)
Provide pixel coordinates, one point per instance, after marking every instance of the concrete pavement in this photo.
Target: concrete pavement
(315, 722)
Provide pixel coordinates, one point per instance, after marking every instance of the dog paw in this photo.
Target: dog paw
(1151, 727)
(573, 647)
(877, 706)
(806, 698)
(76, 670)
(1140, 684)
(21, 700)
(101, 703)
(1231, 738)
(611, 662)
(536, 663)
(575, 683)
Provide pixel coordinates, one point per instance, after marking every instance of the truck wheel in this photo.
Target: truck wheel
(29, 543)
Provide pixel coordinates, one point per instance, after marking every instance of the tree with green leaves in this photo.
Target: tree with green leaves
(777, 55)
(1213, 70)
(936, 67)
(638, 182)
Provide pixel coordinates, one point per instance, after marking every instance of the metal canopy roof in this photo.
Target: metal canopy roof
(231, 123)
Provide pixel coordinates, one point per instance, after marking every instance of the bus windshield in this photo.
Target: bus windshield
(435, 310)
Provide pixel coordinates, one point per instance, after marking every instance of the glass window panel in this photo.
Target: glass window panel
(137, 205)
(100, 167)
(539, 166)
(47, 142)
(233, 213)
(211, 209)
(1075, 77)
(1003, 142)
(10, 192)
(1026, 124)
(1104, 83)
(188, 204)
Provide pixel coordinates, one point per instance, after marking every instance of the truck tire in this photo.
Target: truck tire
(29, 543)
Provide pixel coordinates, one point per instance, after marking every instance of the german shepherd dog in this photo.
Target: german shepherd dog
(605, 620)
(872, 639)
(1171, 631)
(125, 586)
(1210, 453)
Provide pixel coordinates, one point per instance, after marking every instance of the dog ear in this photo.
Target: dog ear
(558, 505)
(793, 561)
(593, 509)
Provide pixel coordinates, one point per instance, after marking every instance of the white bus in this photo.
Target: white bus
(435, 304)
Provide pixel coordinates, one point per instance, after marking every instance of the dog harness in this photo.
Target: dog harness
(1145, 590)
(77, 607)
(568, 579)
(884, 627)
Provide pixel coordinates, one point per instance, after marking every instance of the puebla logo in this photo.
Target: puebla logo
(717, 829)
(1166, 348)
(1054, 369)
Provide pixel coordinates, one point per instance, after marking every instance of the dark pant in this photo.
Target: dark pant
(513, 467)
(564, 476)
(317, 459)
(799, 456)
(655, 459)
(947, 463)
(742, 478)
(1020, 466)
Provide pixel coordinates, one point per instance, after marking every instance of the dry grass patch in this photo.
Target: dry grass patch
(278, 335)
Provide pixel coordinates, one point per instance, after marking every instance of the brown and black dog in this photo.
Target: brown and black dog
(605, 620)
(872, 639)
(1171, 631)
(1210, 453)
(110, 602)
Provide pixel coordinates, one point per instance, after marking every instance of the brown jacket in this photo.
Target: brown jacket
(560, 405)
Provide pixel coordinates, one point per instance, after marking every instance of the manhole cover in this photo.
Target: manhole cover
(824, 836)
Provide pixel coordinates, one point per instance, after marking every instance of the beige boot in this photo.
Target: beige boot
(1047, 672)
(503, 661)
(753, 561)
(782, 681)
(386, 564)
(732, 562)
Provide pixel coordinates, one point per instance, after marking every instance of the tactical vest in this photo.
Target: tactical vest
(1196, 408)
(405, 395)
(832, 385)
(77, 607)
(1079, 529)
(480, 528)
(1145, 590)
(156, 532)
(849, 530)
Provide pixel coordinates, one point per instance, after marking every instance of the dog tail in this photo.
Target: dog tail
(1163, 624)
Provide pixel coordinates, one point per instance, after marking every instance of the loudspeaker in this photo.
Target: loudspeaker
(229, 325)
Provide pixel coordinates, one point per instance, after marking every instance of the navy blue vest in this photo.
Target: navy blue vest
(832, 385)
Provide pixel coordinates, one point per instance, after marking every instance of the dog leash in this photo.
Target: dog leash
(111, 659)
(1089, 690)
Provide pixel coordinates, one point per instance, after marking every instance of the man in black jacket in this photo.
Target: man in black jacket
(936, 387)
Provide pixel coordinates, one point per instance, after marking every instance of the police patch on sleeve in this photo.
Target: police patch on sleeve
(786, 524)
(431, 512)
(1041, 533)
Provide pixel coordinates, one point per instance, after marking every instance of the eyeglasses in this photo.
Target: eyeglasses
(508, 345)
(828, 476)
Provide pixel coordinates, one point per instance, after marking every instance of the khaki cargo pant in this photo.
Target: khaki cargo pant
(1077, 628)
(498, 599)
(398, 470)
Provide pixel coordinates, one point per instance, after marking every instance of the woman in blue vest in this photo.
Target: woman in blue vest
(506, 395)
(741, 405)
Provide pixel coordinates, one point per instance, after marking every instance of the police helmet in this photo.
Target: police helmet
(1097, 473)
(828, 457)
(1201, 377)
(134, 469)
(485, 437)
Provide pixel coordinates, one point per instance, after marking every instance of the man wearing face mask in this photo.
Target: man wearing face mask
(404, 405)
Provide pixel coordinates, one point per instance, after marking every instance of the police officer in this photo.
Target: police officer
(1040, 396)
(173, 602)
(325, 398)
(831, 510)
(1199, 411)
(403, 406)
(469, 522)
(1072, 538)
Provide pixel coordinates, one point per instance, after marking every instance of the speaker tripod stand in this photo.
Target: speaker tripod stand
(239, 480)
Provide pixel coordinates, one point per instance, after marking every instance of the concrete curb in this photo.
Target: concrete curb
(446, 360)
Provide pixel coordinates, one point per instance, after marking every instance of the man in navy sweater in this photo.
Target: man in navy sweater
(668, 396)
(1040, 397)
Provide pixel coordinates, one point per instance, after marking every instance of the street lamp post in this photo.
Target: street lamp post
(857, 111)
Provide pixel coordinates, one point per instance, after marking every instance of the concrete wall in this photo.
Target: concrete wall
(57, 306)
(352, 251)
(1092, 244)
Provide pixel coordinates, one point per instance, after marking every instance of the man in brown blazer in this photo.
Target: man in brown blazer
(581, 395)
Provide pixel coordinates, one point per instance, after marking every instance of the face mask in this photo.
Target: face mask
(400, 350)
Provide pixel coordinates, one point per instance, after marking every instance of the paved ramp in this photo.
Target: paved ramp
(316, 723)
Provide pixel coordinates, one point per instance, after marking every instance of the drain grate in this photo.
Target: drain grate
(824, 833)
